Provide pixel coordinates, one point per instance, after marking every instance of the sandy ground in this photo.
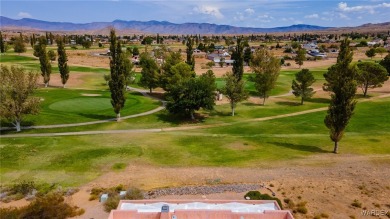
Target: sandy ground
(328, 183)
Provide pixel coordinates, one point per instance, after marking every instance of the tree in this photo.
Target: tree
(40, 51)
(147, 40)
(2, 43)
(16, 90)
(19, 46)
(301, 87)
(150, 77)
(266, 68)
(135, 51)
(52, 55)
(371, 53)
(117, 69)
(341, 82)
(371, 75)
(386, 63)
(191, 94)
(238, 57)
(62, 62)
(301, 56)
(380, 50)
(86, 44)
(247, 55)
(107, 78)
(190, 58)
(234, 90)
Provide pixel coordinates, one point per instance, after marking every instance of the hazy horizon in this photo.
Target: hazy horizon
(245, 13)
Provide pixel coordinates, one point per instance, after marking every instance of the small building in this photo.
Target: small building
(199, 209)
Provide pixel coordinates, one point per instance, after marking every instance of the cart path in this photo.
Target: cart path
(169, 129)
(143, 92)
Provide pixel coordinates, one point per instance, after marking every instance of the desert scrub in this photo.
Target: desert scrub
(356, 203)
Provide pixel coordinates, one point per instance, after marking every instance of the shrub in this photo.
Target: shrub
(24, 187)
(289, 202)
(301, 208)
(111, 203)
(356, 203)
(253, 195)
(256, 195)
(9, 213)
(324, 215)
(134, 194)
(49, 206)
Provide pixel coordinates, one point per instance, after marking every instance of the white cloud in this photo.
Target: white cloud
(24, 15)
(343, 6)
(343, 16)
(250, 11)
(209, 10)
(312, 16)
(239, 17)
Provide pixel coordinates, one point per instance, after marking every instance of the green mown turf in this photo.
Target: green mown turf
(64, 106)
(74, 160)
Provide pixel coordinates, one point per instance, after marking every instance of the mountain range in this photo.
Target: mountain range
(162, 27)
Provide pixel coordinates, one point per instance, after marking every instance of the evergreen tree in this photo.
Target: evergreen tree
(238, 57)
(371, 53)
(247, 55)
(52, 55)
(301, 56)
(2, 43)
(19, 46)
(340, 81)
(371, 75)
(117, 68)
(301, 87)
(190, 59)
(40, 51)
(266, 68)
(62, 61)
(386, 63)
(149, 73)
(234, 90)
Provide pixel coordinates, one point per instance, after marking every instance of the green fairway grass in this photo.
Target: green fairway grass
(64, 106)
(75, 160)
(81, 105)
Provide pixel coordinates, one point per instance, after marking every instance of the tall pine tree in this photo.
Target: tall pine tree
(190, 58)
(40, 51)
(117, 82)
(340, 81)
(2, 44)
(62, 61)
(238, 57)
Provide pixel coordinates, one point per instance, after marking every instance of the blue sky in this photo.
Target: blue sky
(245, 13)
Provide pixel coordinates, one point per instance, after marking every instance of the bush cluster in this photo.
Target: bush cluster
(51, 205)
(256, 195)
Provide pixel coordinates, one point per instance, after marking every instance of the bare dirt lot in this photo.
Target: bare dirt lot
(329, 183)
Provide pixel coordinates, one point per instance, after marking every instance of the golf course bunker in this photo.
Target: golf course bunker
(82, 105)
(91, 95)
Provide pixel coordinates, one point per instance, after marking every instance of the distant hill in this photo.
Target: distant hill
(162, 27)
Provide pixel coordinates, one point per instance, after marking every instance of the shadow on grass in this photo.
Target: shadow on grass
(179, 119)
(220, 113)
(318, 100)
(96, 116)
(252, 104)
(299, 147)
(288, 103)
